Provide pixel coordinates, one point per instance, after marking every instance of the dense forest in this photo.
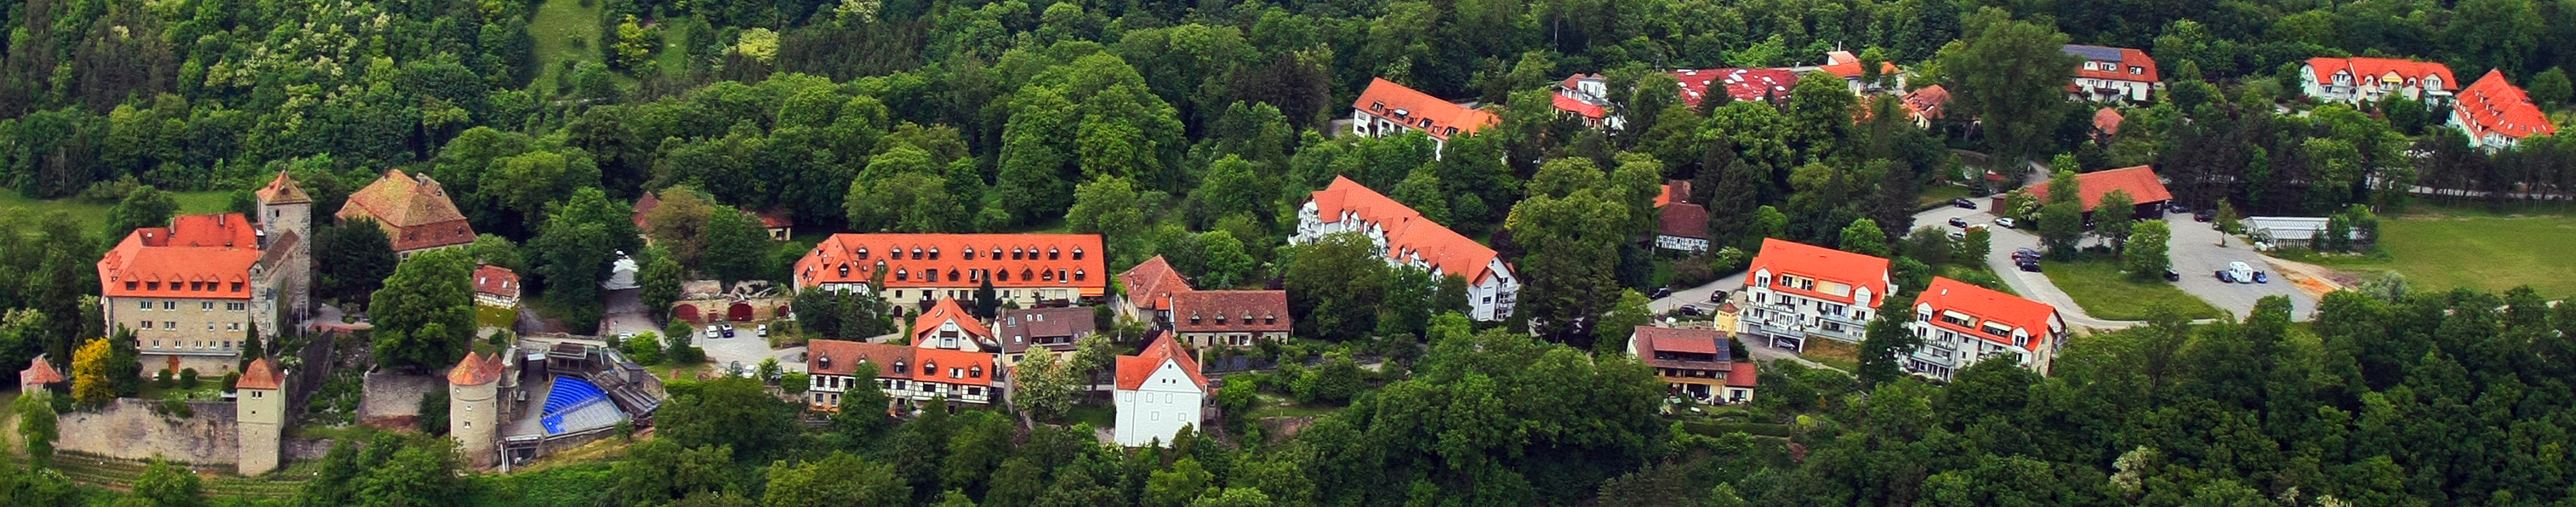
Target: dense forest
(1192, 130)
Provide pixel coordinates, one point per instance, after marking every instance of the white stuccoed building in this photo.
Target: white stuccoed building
(1405, 238)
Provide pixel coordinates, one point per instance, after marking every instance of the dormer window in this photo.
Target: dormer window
(1003, 276)
(930, 367)
(152, 285)
(975, 371)
(970, 254)
(952, 275)
(1053, 253)
(1078, 275)
(1077, 254)
(1269, 319)
(902, 275)
(934, 254)
(863, 254)
(997, 253)
(1025, 274)
(898, 367)
(1194, 319)
(129, 285)
(916, 253)
(1046, 275)
(1220, 319)
(1015, 254)
(823, 360)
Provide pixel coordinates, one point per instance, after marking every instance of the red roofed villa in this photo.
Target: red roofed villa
(1159, 391)
(1146, 291)
(2497, 115)
(1387, 109)
(2109, 73)
(414, 210)
(1408, 239)
(947, 326)
(1742, 84)
(1961, 324)
(1797, 291)
(1231, 318)
(906, 374)
(189, 291)
(496, 286)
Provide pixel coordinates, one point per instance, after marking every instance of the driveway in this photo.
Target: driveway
(1696, 295)
(2198, 253)
(625, 313)
(749, 348)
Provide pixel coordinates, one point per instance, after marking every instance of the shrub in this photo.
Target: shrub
(161, 379)
(188, 378)
(232, 380)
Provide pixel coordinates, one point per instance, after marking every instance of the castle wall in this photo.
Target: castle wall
(127, 428)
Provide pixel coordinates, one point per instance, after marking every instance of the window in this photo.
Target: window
(169, 305)
(863, 254)
(233, 326)
(916, 253)
(934, 254)
(147, 305)
(1052, 253)
(170, 325)
(236, 306)
(206, 306)
(952, 275)
(1077, 254)
(901, 275)
(929, 275)
(237, 286)
(1078, 275)
(1015, 254)
(148, 325)
(970, 254)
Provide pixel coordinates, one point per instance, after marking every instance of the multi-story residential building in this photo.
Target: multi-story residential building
(2498, 115)
(2109, 74)
(1055, 329)
(1925, 104)
(1159, 392)
(918, 268)
(1695, 363)
(2363, 79)
(947, 326)
(414, 211)
(1387, 109)
(1794, 292)
(496, 286)
(1961, 324)
(1680, 225)
(1230, 318)
(1740, 84)
(906, 374)
(1408, 239)
(193, 290)
(1147, 291)
(1585, 97)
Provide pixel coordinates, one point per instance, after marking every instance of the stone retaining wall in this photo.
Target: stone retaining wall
(128, 429)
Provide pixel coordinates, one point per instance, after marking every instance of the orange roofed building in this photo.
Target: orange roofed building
(1387, 109)
(1797, 291)
(906, 374)
(1159, 391)
(2112, 74)
(1147, 291)
(192, 290)
(2364, 79)
(1408, 239)
(2498, 115)
(2146, 190)
(1698, 363)
(1845, 65)
(414, 211)
(918, 268)
(1961, 324)
(947, 326)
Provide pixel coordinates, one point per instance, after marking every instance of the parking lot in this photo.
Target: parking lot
(2196, 251)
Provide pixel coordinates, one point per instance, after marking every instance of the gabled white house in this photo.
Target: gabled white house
(1961, 324)
(1159, 392)
(1795, 291)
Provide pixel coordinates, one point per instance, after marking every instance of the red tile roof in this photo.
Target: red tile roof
(1684, 220)
(496, 280)
(837, 357)
(773, 219)
(1673, 191)
(2132, 65)
(283, 190)
(2140, 182)
(1844, 65)
(260, 375)
(1688, 341)
(1019, 327)
(2366, 70)
(414, 210)
(946, 310)
(1151, 284)
(1395, 102)
(39, 372)
(2107, 121)
(951, 367)
(1222, 311)
(645, 205)
(1578, 106)
(1927, 101)
(1742, 374)
(1824, 264)
(1407, 232)
(198, 256)
(1134, 370)
(1742, 84)
(1983, 304)
(475, 370)
(2493, 105)
(958, 259)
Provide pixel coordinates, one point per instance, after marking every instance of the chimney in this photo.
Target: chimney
(263, 238)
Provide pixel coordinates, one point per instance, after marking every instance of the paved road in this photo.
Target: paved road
(1697, 295)
(2197, 254)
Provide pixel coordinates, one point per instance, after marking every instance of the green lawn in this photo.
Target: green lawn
(495, 317)
(92, 216)
(559, 23)
(2098, 286)
(673, 61)
(2488, 253)
(1098, 416)
(1939, 194)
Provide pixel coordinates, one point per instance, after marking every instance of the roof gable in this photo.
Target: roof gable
(1985, 305)
(2495, 106)
(1151, 284)
(1439, 118)
(1133, 370)
(1407, 232)
(946, 311)
(1861, 272)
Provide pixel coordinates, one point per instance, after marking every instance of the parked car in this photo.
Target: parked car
(1689, 310)
(712, 332)
(1958, 235)
(2005, 222)
(2030, 265)
(1959, 222)
(728, 330)
(2026, 251)
(2173, 276)
(625, 336)
(2242, 272)
(2204, 216)
(2224, 276)
(1717, 297)
(1662, 292)
(1963, 203)
(762, 331)
(2175, 207)
(2259, 277)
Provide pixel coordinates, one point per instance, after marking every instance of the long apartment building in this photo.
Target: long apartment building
(1961, 324)
(918, 268)
(1408, 239)
(1794, 292)
(1387, 109)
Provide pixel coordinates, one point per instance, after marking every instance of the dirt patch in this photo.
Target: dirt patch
(2314, 280)
(1830, 349)
(396, 423)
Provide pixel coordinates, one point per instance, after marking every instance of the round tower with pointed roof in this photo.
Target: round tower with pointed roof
(473, 410)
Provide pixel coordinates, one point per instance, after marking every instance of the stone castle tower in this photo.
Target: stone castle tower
(261, 412)
(474, 408)
(285, 219)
